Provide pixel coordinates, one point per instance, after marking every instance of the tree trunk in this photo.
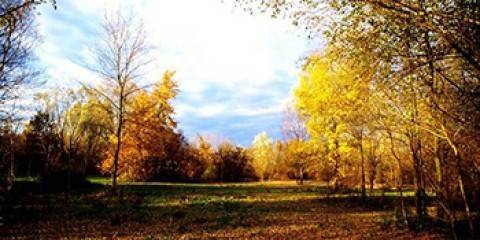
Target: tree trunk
(11, 176)
(420, 190)
(465, 200)
(372, 181)
(301, 175)
(337, 165)
(364, 193)
(115, 160)
(400, 179)
(117, 149)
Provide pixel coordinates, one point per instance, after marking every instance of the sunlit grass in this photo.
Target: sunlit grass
(168, 194)
(26, 179)
(99, 180)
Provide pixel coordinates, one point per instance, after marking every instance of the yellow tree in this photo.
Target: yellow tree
(332, 98)
(262, 154)
(206, 153)
(149, 131)
(336, 95)
(296, 136)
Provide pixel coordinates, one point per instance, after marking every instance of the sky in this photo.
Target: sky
(235, 71)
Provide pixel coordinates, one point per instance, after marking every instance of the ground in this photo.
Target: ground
(275, 210)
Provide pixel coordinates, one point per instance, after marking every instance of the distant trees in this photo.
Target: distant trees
(281, 168)
(205, 151)
(233, 164)
(225, 162)
(62, 141)
(96, 123)
(44, 137)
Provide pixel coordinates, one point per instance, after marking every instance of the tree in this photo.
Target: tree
(303, 157)
(18, 38)
(150, 132)
(234, 163)
(15, 9)
(206, 153)
(295, 134)
(293, 125)
(7, 154)
(120, 61)
(17, 41)
(11, 141)
(330, 97)
(280, 168)
(60, 139)
(262, 156)
(95, 126)
(44, 138)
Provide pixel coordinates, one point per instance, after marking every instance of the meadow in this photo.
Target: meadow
(271, 210)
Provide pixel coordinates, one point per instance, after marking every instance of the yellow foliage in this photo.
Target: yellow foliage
(149, 129)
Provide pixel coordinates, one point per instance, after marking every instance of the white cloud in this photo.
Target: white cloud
(205, 111)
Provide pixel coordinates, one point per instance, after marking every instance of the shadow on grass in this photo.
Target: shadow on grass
(172, 209)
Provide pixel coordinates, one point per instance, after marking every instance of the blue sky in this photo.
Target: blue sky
(235, 71)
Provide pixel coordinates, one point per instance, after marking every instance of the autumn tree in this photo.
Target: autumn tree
(280, 162)
(120, 62)
(321, 97)
(234, 163)
(206, 153)
(262, 156)
(95, 128)
(296, 136)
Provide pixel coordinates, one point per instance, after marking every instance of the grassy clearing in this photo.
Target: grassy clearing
(280, 210)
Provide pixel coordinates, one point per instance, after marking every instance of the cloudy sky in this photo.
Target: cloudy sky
(235, 71)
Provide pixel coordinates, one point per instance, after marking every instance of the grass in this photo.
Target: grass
(26, 179)
(281, 210)
(99, 180)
